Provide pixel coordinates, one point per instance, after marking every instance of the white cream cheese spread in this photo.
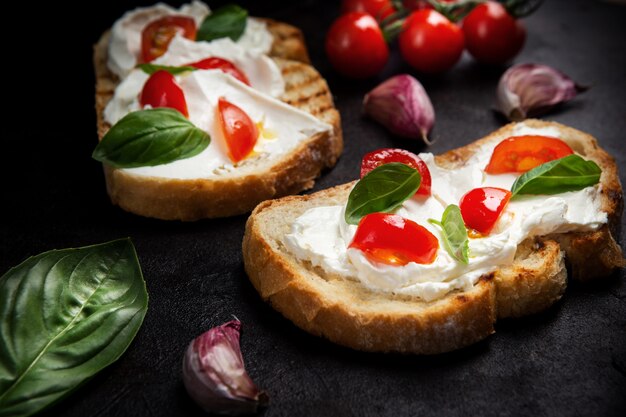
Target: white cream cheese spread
(321, 236)
(125, 43)
(260, 70)
(283, 127)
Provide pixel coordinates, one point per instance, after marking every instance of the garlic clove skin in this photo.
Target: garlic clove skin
(214, 373)
(527, 90)
(401, 105)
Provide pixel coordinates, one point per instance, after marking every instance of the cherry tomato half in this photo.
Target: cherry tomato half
(523, 153)
(394, 240)
(355, 45)
(386, 155)
(429, 42)
(223, 65)
(239, 130)
(379, 9)
(157, 35)
(162, 90)
(492, 35)
(481, 207)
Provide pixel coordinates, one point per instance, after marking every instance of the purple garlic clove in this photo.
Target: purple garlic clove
(401, 105)
(215, 376)
(527, 90)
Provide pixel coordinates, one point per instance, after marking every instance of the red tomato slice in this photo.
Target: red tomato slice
(481, 207)
(386, 155)
(157, 35)
(394, 240)
(223, 65)
(523, 153)
(162, 90)
(239, 130)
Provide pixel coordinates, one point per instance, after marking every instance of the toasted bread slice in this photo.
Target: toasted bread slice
(187, 200)
(348, 313)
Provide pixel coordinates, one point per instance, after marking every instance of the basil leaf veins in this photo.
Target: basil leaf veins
(150, 137)
(383, 189)
(570, 173)
(227, 21)
(64, 316)
(455, 238)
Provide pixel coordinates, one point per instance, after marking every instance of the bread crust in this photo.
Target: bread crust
(347, 313)
(188, 200)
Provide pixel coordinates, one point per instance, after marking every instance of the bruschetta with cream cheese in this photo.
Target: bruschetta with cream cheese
(424, 253)
(197, 121)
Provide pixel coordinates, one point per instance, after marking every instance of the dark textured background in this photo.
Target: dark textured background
(570, 360)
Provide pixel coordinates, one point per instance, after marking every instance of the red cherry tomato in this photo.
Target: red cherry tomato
(492, 35)
(223, 65)
(162, 90)
(386, 155)
(394, 240)
(482, 207)
(239, 130)
(379, 9)
(355, 45)
(157, 35)
(429, 42)
(523, 153)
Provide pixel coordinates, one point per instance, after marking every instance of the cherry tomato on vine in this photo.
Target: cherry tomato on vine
(430, 42)
(239, 130)
(386, 155)
(394, 240)
(157, 35)
(379, 9)
(492, 35)
(355, 45)
(223, 65)
(523, 153)
(481, 207)
(162, 90)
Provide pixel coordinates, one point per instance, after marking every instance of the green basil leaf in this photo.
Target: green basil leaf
(152, 68)
(150, 137)
(455, 238)
(570, 173)
(64, 316)
(227, 21)
(382, 190)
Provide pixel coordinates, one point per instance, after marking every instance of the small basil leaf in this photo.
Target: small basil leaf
(382, 190)
(152, 68)
(455, 238)
(227, 21)
(570, 173)
(64, 316)
(150, 137)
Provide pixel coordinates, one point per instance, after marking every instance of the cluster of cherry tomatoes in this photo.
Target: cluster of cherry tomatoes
(429, 40)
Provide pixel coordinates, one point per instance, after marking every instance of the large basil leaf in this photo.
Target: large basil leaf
(455, 238)
(570, 173)
(64, 316)
(150, 137)
(152, 68)
(227, 21)
(382, 190)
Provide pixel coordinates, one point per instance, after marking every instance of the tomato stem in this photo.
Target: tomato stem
(521, 8)
(457, 10)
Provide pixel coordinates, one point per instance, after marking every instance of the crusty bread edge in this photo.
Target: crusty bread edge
(190, 200)
(515, 291)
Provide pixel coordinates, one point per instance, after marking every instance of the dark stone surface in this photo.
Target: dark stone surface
(569, 360)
